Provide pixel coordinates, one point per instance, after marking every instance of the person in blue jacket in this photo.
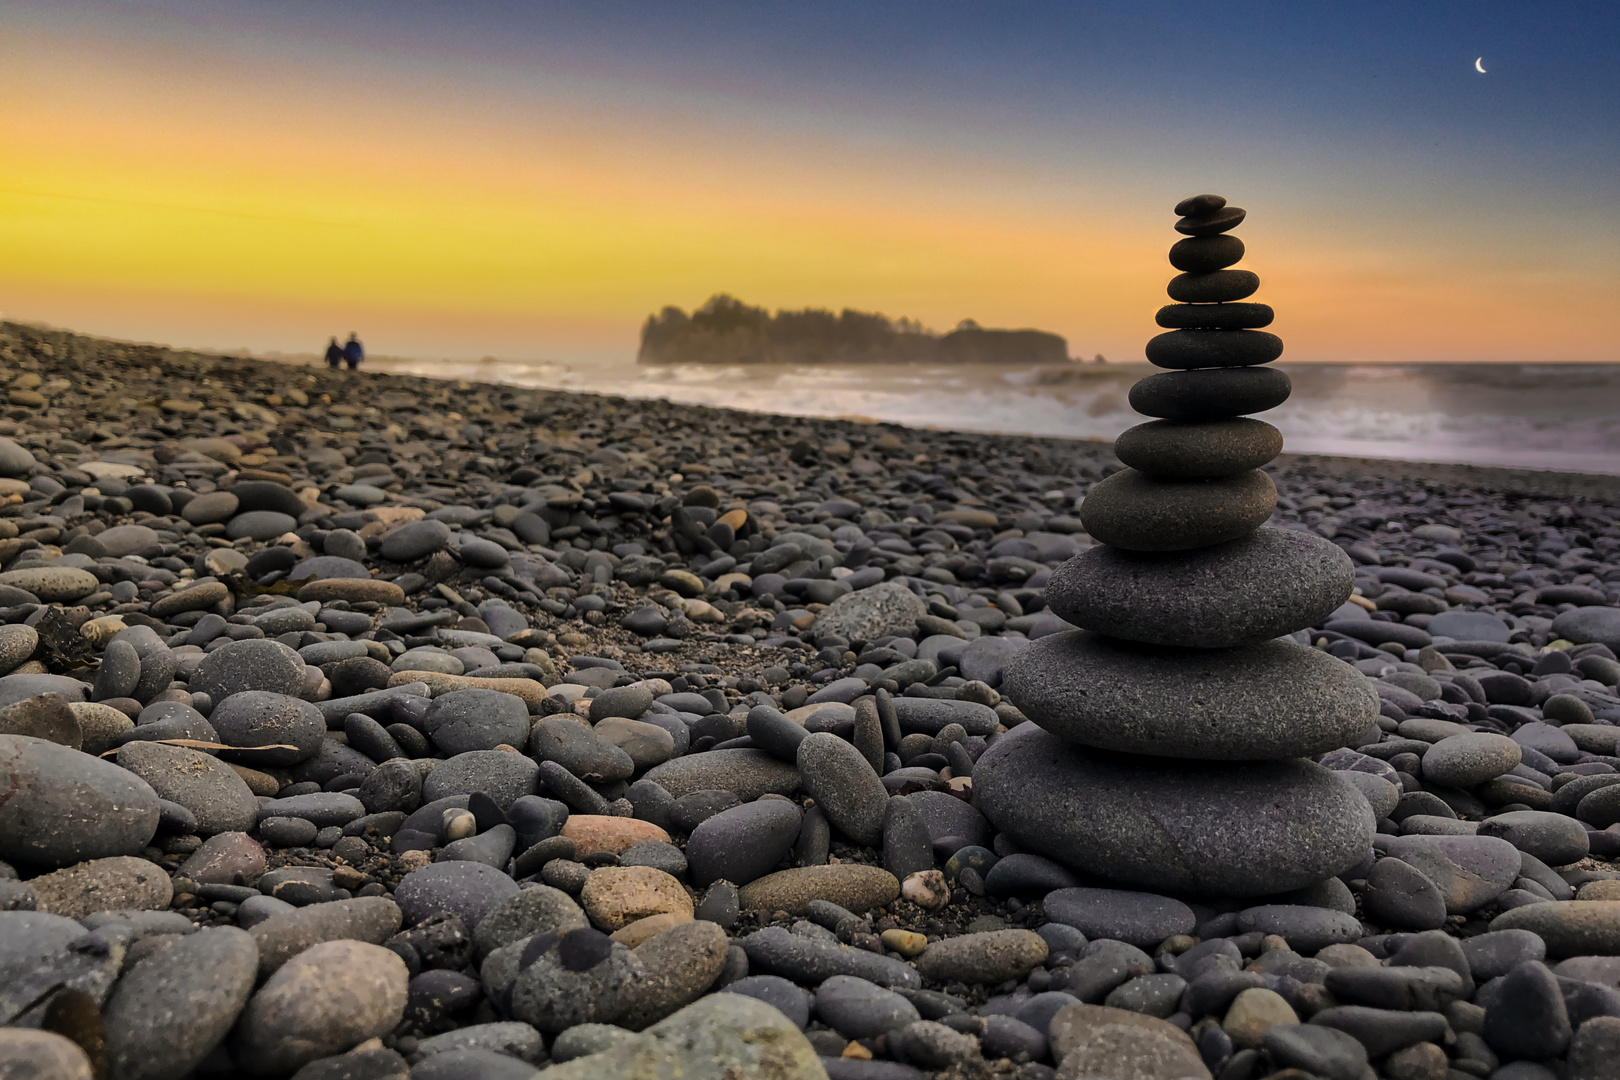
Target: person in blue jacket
(334, 355)
(353, 351)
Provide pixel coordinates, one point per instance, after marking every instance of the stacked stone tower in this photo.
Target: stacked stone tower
(1170, 733)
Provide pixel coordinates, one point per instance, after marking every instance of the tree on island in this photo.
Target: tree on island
(727, 331)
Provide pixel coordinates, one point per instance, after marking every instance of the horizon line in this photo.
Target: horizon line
(281, 356)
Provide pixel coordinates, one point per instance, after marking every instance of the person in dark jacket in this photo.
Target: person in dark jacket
(334, 355)
(353, 351)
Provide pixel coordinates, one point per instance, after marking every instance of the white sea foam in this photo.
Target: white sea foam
(1531, 416)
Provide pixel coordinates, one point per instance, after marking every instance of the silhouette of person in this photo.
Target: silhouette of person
(353, 351)
(334, 355)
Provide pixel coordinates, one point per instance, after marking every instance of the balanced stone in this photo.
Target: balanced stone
(1166, 753)
(1213, 348)
(1210, 394)
(1199, 206)
(1169, 450)
(1134, 511)
(1214, 316)
(1240, 592)
(1235, 829)
(1221, 286)
(1204, 254)
(1274, 699)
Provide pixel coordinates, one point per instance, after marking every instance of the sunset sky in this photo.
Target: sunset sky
(531, 179)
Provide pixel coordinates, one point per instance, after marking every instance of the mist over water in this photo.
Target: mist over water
(1552, 416)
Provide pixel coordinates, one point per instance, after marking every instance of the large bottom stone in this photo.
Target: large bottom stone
(1273, 700)
(1239, 829)
(1267, 584)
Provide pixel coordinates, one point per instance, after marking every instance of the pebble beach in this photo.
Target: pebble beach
(377, 726)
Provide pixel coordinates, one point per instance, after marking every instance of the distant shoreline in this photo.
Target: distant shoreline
(376, 360)
(1539, 479)
(726, 331)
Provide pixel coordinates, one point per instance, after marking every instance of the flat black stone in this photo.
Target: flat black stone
(1200, 450)
(1268, 701)
(1210, 224)
(1214, 316)
(1210, 393)
(1217, 287)
(584, 948)
(1213, 348)
(1205, 254)
(1138, 513)
(1264, 585)
(1212, 828)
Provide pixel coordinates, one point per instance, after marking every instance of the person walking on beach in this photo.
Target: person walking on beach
(353, 351)
(334, 355)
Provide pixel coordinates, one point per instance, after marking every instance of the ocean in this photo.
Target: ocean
(1563, 417)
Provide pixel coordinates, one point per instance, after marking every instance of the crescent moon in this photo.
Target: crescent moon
(1479, 65)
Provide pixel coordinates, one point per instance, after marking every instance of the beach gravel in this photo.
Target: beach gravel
(492, 722)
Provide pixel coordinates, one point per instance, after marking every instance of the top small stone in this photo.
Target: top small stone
(1199, 205)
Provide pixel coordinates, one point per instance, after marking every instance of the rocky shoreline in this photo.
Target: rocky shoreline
(374, 726)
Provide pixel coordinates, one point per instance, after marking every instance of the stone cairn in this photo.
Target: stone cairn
(1170, 732)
